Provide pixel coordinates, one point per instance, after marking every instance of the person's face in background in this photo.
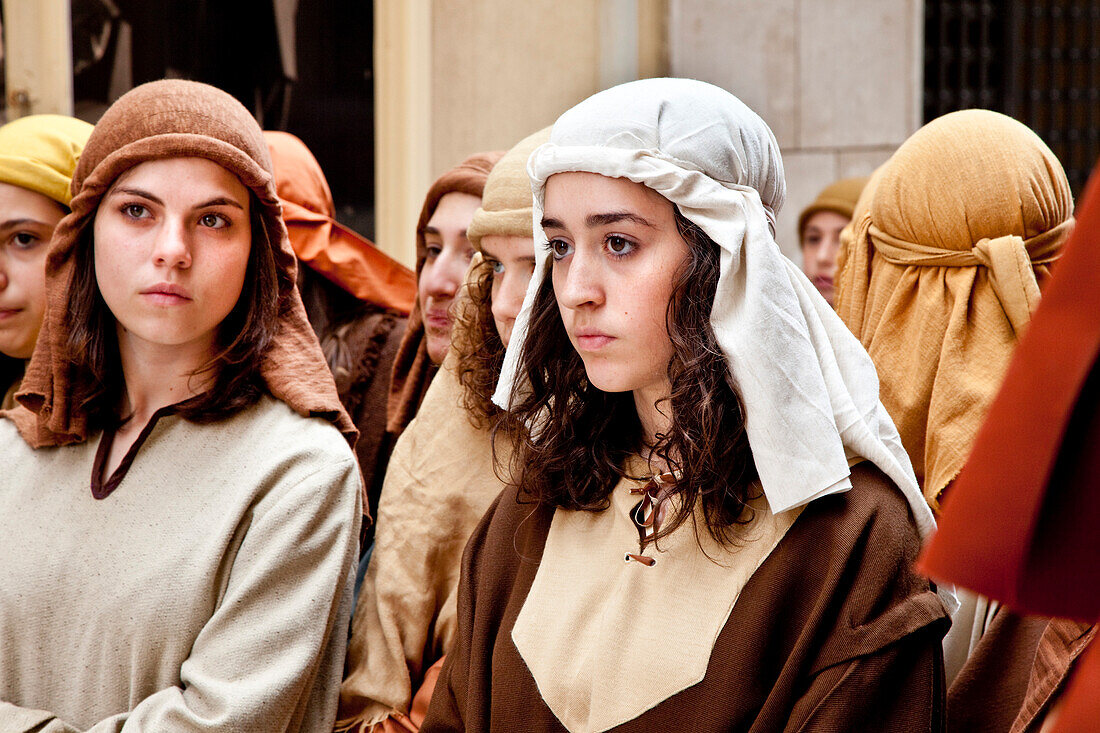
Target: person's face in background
(27, 221)
(513, 262)
(448, 254)
(820, 244)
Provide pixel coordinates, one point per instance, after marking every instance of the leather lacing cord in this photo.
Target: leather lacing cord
(649, 513)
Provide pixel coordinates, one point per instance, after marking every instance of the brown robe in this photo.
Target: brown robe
(834, 631)
(988, 692)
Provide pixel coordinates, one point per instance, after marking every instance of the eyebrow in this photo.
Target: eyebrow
(12, 223)
(433, 230)
(488, 252)
(595, 220)
(216, 201)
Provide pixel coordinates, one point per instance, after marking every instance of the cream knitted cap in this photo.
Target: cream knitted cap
(506, 203)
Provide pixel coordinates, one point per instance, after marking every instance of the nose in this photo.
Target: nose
(580, 283)
(508, 301)
(825, 253)
(444, 276)
(172, 247)
(3, 274)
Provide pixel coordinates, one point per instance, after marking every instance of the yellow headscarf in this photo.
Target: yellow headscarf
(40, 152)
(942, 274)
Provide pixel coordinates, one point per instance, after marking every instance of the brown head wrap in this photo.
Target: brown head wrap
(170, 119)
(964, 222)
(326, 246)
(413, 368)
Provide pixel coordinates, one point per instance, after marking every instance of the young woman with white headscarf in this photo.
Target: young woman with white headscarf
(711, 520)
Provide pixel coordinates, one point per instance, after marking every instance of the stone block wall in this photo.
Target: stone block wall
(838, 81)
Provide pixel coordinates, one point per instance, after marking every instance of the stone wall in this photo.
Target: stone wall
(838, 81)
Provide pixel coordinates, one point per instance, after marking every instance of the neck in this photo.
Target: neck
(654, 418)
(157, 376)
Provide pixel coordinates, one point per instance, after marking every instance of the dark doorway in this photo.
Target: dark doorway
(303, 66)
(1035, 60)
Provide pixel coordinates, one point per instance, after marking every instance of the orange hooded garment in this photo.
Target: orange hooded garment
(322, 243)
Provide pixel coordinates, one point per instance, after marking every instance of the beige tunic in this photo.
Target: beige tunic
(209, 592)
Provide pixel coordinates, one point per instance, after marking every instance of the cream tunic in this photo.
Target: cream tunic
(209, 591)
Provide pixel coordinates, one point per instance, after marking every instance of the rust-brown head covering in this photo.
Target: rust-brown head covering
(170, 119)
(326, 246)
(413, 368)
(965, 219)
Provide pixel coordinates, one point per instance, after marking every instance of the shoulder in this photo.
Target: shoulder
(270, 451)
(873, 511)
(854, 553)
(272, 425)
(12, 443)
(512, 530)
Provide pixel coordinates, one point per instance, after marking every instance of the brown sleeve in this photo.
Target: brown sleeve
(986, 695)
(899, 688)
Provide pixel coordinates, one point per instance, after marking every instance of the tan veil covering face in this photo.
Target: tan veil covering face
(942, 273)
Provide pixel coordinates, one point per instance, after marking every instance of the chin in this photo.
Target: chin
(609, 379)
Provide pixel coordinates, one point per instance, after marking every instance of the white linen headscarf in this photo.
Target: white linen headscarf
(810, 389)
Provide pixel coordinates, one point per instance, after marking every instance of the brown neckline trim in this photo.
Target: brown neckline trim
(102, 489)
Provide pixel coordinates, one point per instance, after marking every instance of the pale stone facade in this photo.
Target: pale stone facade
(838, 81)
(454, 78)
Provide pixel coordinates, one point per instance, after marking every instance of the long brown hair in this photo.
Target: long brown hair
(477, 345)
(243, 337)
(581, 437)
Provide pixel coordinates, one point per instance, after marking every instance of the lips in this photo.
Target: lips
(167, 294)
(589, 339)
(437, 319)
(822, 282)
(6, 313)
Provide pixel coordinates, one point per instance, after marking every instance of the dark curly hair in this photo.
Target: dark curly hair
(243, 337)
(577, 450)
(477, 345)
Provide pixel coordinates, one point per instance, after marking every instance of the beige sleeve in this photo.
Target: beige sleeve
(270, 657)
(397, 602)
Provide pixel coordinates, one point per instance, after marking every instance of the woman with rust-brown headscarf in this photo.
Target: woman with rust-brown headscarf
(442, 254)
(180, 504)
(441, 477)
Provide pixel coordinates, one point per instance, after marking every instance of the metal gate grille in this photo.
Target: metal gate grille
(1036, 60)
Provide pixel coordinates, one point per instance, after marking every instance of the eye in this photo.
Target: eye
(431, 251)
(214, 221)
(24, 240)
(559, 248)
(498, 267)
(619, 246)
(135, 211)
